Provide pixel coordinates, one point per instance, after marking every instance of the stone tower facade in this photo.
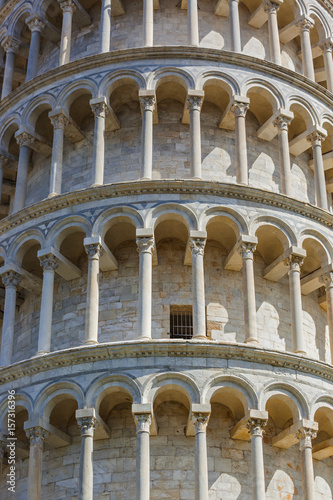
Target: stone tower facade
(166, 248)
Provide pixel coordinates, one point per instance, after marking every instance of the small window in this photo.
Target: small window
(181, 323)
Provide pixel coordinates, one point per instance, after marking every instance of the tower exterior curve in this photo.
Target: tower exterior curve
(166, 250)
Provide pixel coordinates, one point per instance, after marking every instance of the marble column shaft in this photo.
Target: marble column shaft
(49, 264)
(235, 33)
(36, 26)
(282, 123)
(197, 246)
(100, 110)
(305, 436)
(194, 104)
(192, 19)
(294, 263)
(143, 422)
(11, 46)
(37, 435)
(147, 105)
(240, 110)
(307, 62)
(24, 140)
(316, 139)
(273, 30)
(92, 304)
(148, 23)
(327, 48)
(68, 7)
(105, 27)
(145, 248)
(86, 474)
(249, 295)
(59, 123)
(11, 280)
(258, 470)
(327, 280)
(200, 421)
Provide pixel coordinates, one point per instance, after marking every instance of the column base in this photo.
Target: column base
(41, 353)
(196, 178)
(301, 353)
(96, 185)
(252, 340)
(90, 342)
(200, 337)
(144, 337)
(52, 194)
(145, 179)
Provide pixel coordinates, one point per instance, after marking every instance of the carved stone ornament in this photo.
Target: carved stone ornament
(10, 45)
(197, 246)
(200, 421)
(59, 121)
(282, 122)
(49, 262)
(94, 250)
(35, 24)
(255, 426)
(11, 279)
(100, 109)
(147, 103)
(143, 422)
(305, 435)
(240, 108)
(247, 249)
(194, 102)
(87, 424)
(294, 262)
(305, 24)
(327, 279)
(25, 139)
(145, 245)
(67, 6)
(37, 435)
(316, 137)
(271, 7)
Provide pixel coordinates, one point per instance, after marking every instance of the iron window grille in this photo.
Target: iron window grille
(181, 322)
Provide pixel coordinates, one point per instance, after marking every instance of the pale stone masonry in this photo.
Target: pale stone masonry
(166, 297)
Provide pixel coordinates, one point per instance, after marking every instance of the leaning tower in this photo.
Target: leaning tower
(166, 250)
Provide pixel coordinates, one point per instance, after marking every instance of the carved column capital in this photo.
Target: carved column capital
(59, 121)
(24, 139)
(305, 436)
(37, 435)
(11, 279)
(147, 103)
(200, 421)
(10, 45)
(327, 46)
(327, 279)
(35, 24)
(282, 122)
(143, 422)
(255, 426)
(247, 249)
(271, 7)
(197, 246)
(194, 102)
(100, 109)
(240, 108)
(316, 137)
(87, 425)
(145, 245)
(93, 250)
(67, 6)
(305, 24)
(49, 262)
(294, 262)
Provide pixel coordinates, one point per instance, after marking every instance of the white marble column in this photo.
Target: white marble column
(305, 25)
(200, 421)
(294, 262)
(100, 110)
(11, 280)
(36, 26)
(10, 46)
(327, 280)
(59, 122)
(327, 48)
(194, 104)
(249, 296)
(147, 103)
(305, 435)
(68, 7)
(273, 31)
(24, 140)
(87, 421)
(255, 426)
(105, 27)
(193, 24)
(316, 139)
(282, 123)
(235, 34)
(240, 109)
(49, 263)
(148, 23)
(145, 249)
(197, 246)
(143, 422)
(93, 251)
(37, 435)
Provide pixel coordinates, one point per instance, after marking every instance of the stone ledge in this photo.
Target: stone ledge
(182, 52)
(166, 348)
(171, 187)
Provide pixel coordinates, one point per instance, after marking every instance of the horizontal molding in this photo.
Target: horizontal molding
(165, 348)
(170, 187)
(183, 53)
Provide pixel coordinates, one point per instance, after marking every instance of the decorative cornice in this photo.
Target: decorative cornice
(171, 187)
(165, 349)
(53, 77)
